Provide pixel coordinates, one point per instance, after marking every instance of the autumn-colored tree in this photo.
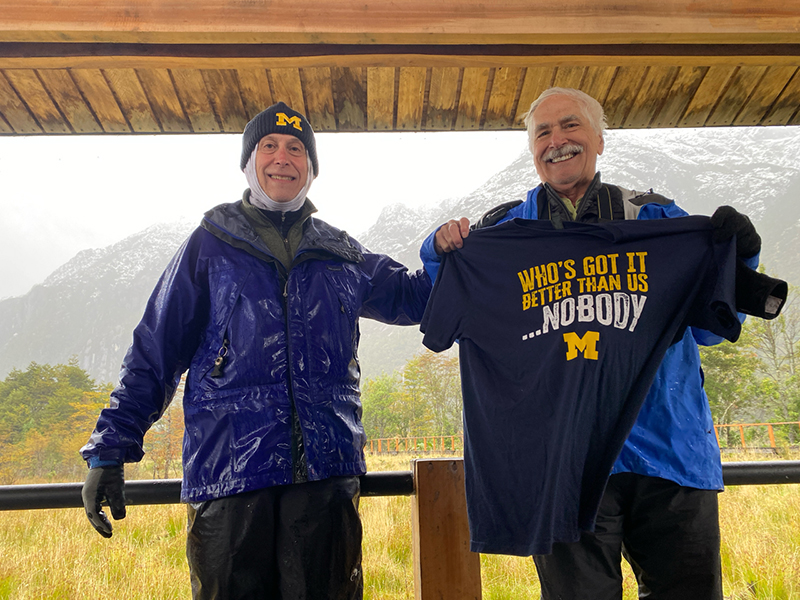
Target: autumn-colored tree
(163, 443)
(434, 382)
(38, 432)
(424, 399)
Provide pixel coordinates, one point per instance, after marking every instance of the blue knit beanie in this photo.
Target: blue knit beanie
(279, 118)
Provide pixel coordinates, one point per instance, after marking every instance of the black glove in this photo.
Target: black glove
(727, 222)
(104, 484)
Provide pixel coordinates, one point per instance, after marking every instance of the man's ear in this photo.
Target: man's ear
(601, 146)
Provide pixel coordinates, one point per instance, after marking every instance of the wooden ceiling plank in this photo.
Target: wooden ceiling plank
(787, 104)
(163, 97)
(537, 80)
(38, 101)
(223, 91)
(190, 99)
(385, 21)
(380, 98)
(470, 103)
(254, 87)
(650, 97)
(364, 59)
(97, 93)
(769, 88)
(736, 95)
(5, 128)
(597, 82)
(569, 77)
(14, 110)
(442, 109)
(620, 98)
(503, 95)
(350, 98)
(680, 93)
(411, 98)
(707, 95)
(318, 88)
(132, 100)
(287, 88)
(68, 98)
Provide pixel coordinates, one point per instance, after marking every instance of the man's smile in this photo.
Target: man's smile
(557, 155)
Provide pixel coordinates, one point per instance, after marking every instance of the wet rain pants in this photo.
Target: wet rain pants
(668, 533)
(291, 542)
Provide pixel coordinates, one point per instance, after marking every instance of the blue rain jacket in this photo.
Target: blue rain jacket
(673, 437)
(283, 338)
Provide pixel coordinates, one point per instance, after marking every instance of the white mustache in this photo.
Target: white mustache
(563, 151)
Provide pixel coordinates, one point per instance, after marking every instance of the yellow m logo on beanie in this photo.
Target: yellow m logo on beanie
(283, 121)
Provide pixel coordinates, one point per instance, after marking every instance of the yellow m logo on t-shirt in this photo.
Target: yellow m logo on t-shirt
(587, 344)
(283, 121)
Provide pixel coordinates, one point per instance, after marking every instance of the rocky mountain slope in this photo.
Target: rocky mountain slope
(88, 307)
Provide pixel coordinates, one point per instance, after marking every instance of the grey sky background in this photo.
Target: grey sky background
(60, 195)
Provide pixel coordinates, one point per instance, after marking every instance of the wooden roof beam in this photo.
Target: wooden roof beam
(408, 22)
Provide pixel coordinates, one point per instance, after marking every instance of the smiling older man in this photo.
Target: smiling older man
(660, 507)
(261, 304)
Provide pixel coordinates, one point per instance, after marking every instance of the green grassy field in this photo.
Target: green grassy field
(57, 555)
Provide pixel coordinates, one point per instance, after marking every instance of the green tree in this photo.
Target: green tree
(777, 343)
(379, 397)
(39, 417)
(424, 399)
(434, 381)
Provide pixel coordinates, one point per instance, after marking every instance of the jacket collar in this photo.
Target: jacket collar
(228, 223)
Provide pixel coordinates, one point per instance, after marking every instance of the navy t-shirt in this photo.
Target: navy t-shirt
(560, 335)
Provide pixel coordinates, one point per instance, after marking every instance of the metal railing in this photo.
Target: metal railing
(382, 483)
(167, 491)
(444, 568)
(416, 444)
(754, 430)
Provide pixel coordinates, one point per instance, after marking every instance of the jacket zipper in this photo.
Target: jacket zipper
(299, 457)
(219, 362)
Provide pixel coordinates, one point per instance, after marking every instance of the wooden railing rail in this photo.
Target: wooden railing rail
(416, 444)
(770, 431)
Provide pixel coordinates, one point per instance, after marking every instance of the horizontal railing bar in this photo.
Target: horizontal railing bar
(167, 491)
(767, 472)
(382, 483)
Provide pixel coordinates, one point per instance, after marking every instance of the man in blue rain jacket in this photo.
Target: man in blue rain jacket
(660, 507)
(261, 305)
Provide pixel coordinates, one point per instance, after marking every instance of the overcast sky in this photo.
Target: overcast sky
(60, 195)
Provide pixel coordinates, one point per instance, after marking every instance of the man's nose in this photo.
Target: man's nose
(557, 138)
(281, 154)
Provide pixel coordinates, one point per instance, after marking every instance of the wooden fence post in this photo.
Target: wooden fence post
(444, 567)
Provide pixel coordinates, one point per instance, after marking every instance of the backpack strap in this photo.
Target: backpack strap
(495, 215)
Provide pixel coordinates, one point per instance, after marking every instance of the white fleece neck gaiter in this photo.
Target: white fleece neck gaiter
(260, 199)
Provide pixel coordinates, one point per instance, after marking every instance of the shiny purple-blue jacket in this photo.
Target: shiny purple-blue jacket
(283, 338)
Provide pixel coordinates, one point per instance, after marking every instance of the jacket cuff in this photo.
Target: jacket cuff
(96, 463)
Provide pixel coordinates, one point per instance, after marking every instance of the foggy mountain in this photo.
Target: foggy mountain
(88, 307)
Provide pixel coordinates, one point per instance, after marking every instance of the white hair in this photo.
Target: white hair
(592, 109)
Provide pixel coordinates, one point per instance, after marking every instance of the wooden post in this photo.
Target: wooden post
(444, 567)
(771, 436)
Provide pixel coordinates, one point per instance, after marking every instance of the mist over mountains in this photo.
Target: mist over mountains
(89, 306)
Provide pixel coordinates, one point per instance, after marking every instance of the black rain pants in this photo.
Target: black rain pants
(292, 542)
(668, 533)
